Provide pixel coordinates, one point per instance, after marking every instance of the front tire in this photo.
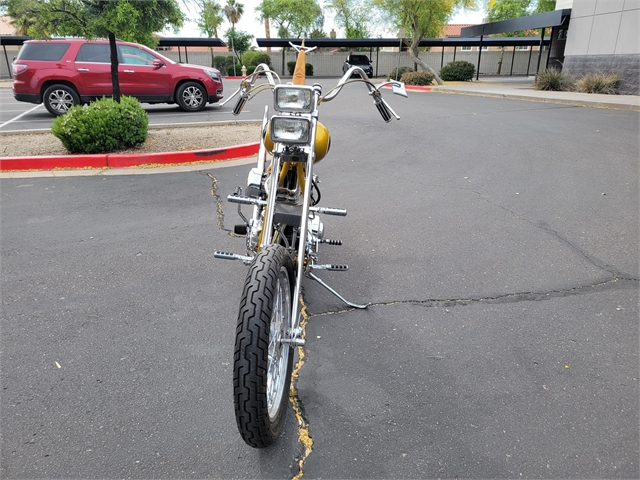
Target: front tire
(58, 99)
(191, 96)
(262, 363)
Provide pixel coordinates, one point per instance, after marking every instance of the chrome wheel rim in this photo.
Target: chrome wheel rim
(60, 100)
(192, 97)
(278, 352)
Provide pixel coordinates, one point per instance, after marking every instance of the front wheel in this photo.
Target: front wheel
(191, 97)
(262, 362)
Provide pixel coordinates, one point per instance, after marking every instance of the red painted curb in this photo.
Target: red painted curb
(131, 160)
(53, 161)
(126, 160)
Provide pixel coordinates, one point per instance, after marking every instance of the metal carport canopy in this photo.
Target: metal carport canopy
(395, 42)
(532, 22)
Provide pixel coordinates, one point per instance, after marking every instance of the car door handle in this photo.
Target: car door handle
(128, 71)
(83, 69)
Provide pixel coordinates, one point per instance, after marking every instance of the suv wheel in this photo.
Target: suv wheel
(60, 98)
(191, 97)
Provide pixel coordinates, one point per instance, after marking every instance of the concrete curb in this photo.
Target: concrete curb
(115, 160)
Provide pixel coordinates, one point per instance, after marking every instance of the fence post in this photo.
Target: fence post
(513, 59)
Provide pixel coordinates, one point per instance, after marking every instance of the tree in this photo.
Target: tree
(210, 19)
(352, 15)
(241, 40)
(130, 20)
(233, 11)
(294, 18)
(422, 19)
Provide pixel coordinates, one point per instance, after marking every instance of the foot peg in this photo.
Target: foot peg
(331, 268)
(328, 241)
(232, 256)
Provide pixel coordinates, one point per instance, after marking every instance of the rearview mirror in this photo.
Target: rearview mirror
(158, 63)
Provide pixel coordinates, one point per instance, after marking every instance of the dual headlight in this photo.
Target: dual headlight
(290, 130)
(292, 99)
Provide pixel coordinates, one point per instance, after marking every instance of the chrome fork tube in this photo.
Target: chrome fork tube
(302, 246)
(271, 205)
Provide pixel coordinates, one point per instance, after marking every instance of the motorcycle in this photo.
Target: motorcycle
(283, 236)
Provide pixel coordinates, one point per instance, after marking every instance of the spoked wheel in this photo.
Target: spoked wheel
(262, 363)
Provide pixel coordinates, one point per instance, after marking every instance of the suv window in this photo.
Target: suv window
(43, 51)
(94, 52)
(358, 59)
(135, 56)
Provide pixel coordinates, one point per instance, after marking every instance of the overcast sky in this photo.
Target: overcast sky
(250, 23)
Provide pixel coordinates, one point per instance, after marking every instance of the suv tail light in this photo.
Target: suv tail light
(18, 68)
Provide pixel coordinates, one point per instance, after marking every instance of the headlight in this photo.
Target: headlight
(293, 98)
(290, 130)
(214, 75)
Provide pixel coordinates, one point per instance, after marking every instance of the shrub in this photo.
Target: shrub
(460, 71)
(417, 78)
(553, 79)
(308, 68)
(251, 69)
(598, 82)
(255, 58)
(401, 71)
(238, 67)
(102, 126)
(220, 62)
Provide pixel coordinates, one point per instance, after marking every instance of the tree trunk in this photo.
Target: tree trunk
(413, 53)
(267, 30)
(114, 67)
(500, 61)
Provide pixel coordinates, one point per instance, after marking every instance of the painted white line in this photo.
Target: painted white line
(19, 116)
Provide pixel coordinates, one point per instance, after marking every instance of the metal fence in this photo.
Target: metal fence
(329, 64)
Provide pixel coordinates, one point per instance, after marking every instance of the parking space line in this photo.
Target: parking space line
(19, 116)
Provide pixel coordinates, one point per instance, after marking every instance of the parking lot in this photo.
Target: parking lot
(496, 240)
(20, 116)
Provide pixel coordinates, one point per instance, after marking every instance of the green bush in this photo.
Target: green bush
(553, 79)
(220, 62)
(460, 71)
(238, 69)
(308, 68)
(251, 69)
(417, 78)
(401, 71)
(255, 58)
(102, 126)
(598, 82)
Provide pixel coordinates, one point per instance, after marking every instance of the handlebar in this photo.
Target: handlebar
(248, 90)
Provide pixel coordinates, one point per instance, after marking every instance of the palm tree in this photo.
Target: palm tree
(210, 18)
(233, 11)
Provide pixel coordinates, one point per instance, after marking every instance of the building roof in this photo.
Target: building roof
(5, 26)
(453, 29)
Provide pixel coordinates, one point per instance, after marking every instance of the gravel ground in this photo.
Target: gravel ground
(158, 140)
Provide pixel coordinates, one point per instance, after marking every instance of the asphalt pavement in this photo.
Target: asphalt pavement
(496, 240)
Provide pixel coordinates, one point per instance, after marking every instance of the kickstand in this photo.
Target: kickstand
(354, 305)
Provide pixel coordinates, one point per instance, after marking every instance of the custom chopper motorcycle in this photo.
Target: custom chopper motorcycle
(283, 235)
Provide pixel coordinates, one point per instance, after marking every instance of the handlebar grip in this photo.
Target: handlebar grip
(384, 111)
(242, 101)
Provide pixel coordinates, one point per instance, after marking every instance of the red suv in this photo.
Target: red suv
(67, 72)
